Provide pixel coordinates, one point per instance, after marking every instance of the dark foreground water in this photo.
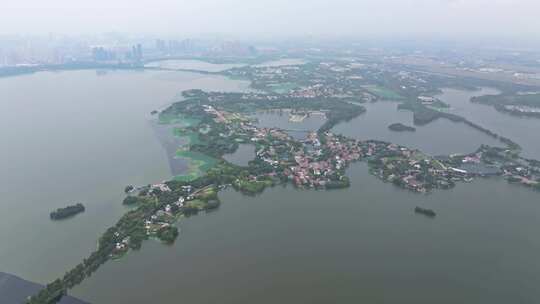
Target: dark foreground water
(14, 290)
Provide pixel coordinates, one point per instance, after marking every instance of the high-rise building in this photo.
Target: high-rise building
(174, 46)
(101, 54)
(136, 53)
(139, 52)
(161, 46)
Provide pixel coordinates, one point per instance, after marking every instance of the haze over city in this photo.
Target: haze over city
(269, 151)
(274, 18)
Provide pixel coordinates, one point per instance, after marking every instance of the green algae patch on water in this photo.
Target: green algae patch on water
(198, 164)
(283, 88)
(197, 203)
(191, 136)
(180, 120)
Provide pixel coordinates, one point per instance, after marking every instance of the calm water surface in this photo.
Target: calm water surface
(280, 119)
(436, 138)
(522, 130)
(242, 156)
(281, 62)
(362, 244)
(77, 136)
(197, 65)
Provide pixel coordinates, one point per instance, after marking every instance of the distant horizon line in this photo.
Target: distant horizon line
(383, 37)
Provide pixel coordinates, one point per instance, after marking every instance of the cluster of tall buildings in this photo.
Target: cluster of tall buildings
(16, 51)
(109, 48)
(105, 54)
(202, 47)
(172, 47)
(136, 52)
(102, 54)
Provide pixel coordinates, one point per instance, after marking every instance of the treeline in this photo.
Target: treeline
(338, 183)
(340, 111)
(531, 100)
(167, 234)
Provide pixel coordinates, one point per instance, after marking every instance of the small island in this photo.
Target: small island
(69, 211)
(399, 127)
(426, 212)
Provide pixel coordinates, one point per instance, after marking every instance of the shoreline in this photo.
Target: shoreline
(170, 143)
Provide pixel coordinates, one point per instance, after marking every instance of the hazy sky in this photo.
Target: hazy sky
(272, 17)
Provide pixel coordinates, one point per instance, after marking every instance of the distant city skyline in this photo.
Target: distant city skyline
(275, 19)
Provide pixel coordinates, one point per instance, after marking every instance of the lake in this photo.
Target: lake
(242, 156)
(81, 136)
(440, 137)
(281, 62)
(199, 65)
(78, 136)
(196, 65)
(281, 119)
(522, 130)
